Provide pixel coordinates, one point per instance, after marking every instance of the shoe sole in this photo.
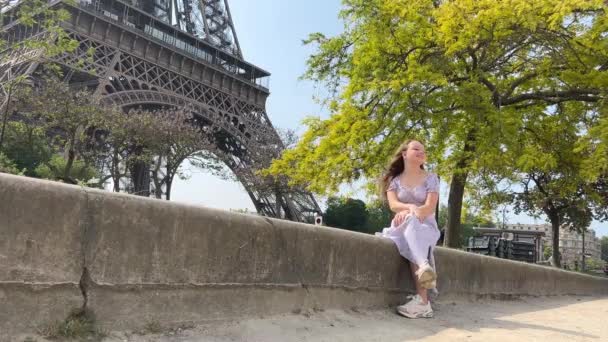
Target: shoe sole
(409, 315)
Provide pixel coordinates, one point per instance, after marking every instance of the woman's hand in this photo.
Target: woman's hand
(419, 214)
(400, 217)
(411, 207)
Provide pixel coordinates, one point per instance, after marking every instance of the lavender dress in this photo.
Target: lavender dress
(414, 239)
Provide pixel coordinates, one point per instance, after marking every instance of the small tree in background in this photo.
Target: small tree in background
(547, 252)
(178, 138)
(550, 165)
(68, 116)
(54, 169)
(593, 264)
(379, 216)
(347, 213)
(7, 165)
(27, 146)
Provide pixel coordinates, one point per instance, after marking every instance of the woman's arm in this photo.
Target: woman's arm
(428, 208)
(395, 205)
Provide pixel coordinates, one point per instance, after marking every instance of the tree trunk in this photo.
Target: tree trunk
(140, 176)
(172, 167)
(71, 147)
(168, 188)
(554, 218)
(5, 117)
(158, 183)
(584, 268)
(453, 230)
(158, 187)
(116, 182)
(115, 172)
(278, 202)
(69, 164)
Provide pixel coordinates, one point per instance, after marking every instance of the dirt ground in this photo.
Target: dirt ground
(551, 319)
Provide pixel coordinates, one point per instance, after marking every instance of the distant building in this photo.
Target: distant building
(534, 237)
(570, 242)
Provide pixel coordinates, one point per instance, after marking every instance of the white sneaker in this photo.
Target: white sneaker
(413, 299)
(426, 276)
(415, 309)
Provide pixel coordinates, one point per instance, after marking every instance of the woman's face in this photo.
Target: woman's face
(415, 153)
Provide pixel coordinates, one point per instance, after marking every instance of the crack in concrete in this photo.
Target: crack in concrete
(86, 229)
(84, 284)
(294, 269)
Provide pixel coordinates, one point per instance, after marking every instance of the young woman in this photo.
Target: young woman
(412, 193)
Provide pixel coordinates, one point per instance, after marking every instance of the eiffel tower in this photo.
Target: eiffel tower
(172, 53)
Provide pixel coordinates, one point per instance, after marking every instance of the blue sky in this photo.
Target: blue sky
(270, 33)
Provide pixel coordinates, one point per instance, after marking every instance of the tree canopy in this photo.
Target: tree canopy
(466, 77)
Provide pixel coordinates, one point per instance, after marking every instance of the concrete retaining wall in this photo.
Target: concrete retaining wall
(142, 260)
(40, 252)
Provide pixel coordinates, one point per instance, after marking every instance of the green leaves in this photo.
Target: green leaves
(54, 169)
(478, 71)
(44, 22)
(26, 146)
(7, 165)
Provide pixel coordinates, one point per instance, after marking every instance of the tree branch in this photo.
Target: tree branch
(585, 95)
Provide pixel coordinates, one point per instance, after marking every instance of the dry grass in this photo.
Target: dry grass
(79, 325)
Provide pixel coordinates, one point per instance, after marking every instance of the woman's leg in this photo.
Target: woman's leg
(422, 292)
(419, 236)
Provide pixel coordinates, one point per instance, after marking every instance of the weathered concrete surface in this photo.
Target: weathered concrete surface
(555, 319)
(467, 274)
(40, 252)
(132, 309)
(165, 261)
(148, 260)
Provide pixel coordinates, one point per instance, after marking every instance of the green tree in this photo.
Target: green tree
(131, 142)
(547, 252)
(346, 213)
(54, 169)
(163, 139)
(379, 216)
(465, 75)
(31, 16)
(472, 217)
(114, 131)
(593, 264)
(178, 138)
(550, 169)
(68, 116)
(27, 146)
(467, 232)
(7, 165)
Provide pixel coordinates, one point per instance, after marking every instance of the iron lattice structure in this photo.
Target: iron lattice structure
(178, 54)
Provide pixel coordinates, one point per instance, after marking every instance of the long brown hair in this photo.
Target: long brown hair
(395, 167)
